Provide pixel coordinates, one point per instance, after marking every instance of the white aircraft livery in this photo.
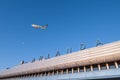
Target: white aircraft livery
(41, 27)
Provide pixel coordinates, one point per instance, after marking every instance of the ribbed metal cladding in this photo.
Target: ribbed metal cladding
(104, 53)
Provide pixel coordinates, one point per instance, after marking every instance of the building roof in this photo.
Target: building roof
(95, 55)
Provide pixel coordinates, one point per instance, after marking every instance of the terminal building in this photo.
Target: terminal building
(97, 63)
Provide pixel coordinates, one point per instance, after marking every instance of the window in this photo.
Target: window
(44, 74)
(88, 68)
(95, 67)
(47, 73)
(64, 71)
(59, 71)
(41, 74)
(75, 69)
(81, 68)
(55, 72)
(30, 75)
(50, 73)
(103, 66)
(35, 74)
(69, 70)
(111, 65)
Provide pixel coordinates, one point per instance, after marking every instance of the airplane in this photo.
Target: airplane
(37, 26)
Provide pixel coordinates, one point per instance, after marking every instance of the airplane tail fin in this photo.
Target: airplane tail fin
(46, 25)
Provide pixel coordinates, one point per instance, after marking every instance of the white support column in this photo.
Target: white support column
(116, 64)
(62, 71)
(99, 67)
(67, 71)
(57, 72)
(72, 70)
(78, 69)
(84, 69)
(53, 73)
(48, 73)
(45, 73)
(91, 67)
(107, 65)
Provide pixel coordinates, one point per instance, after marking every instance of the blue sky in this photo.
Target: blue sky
(71, 22)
